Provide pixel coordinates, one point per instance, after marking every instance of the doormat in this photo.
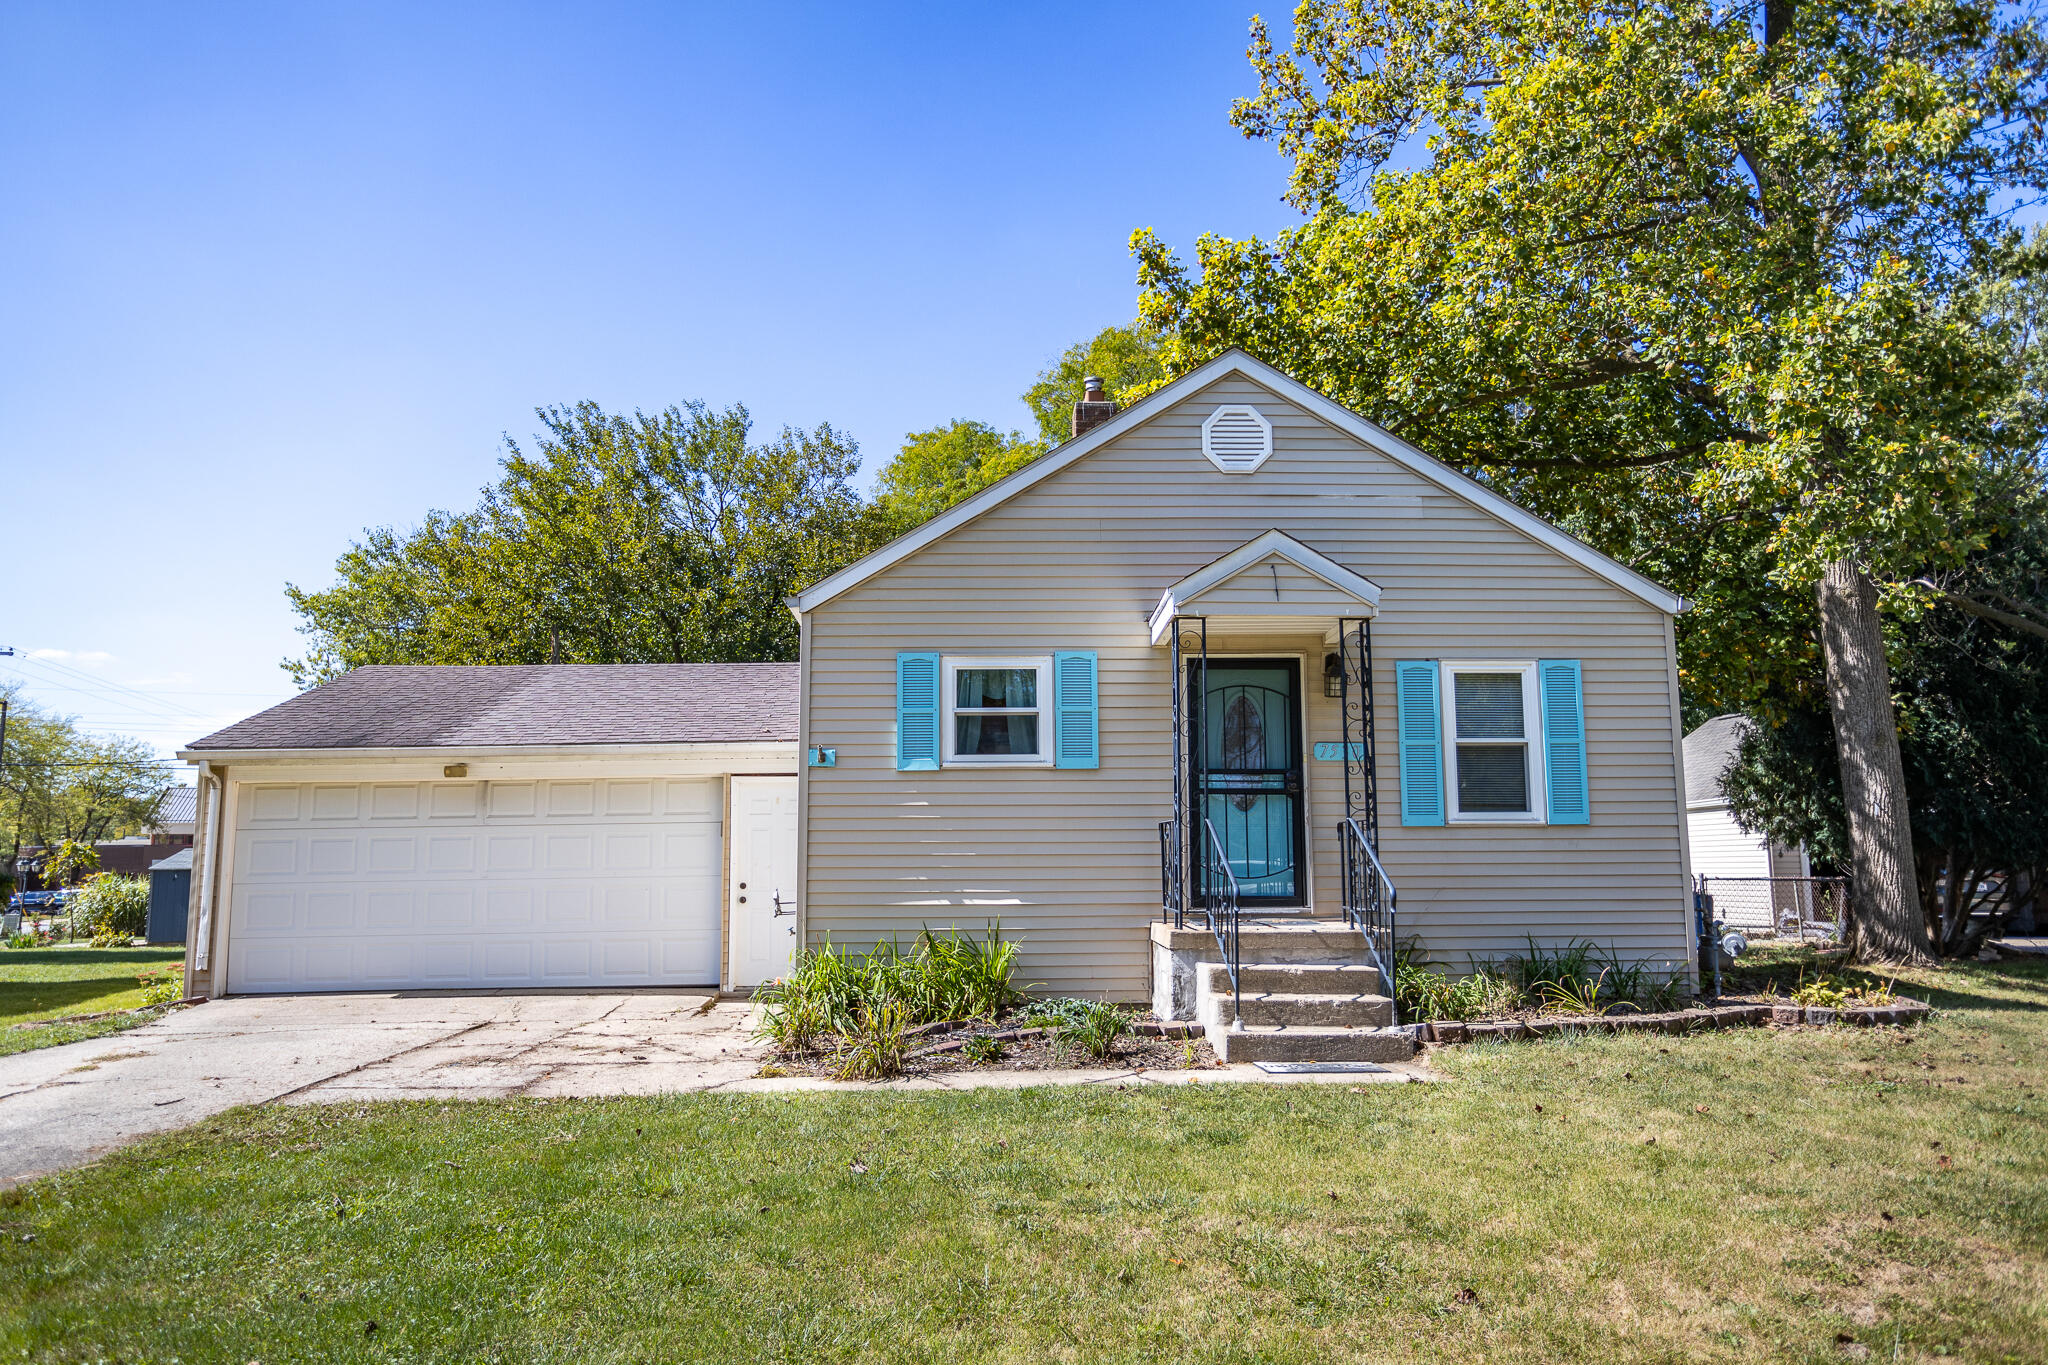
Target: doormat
(1316, 1068)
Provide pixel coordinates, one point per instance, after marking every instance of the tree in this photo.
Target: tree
(59, 784)
(669, 536)
(937, 468)
(1973, 700)
(1684, 279)
(1125, 359)
(940, 467)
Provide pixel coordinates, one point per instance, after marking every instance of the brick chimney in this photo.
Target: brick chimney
(1094, 408)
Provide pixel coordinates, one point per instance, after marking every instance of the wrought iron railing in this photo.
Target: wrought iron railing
(1205, 892)
(1173, 882)
(1217, 888)
(1369, 903)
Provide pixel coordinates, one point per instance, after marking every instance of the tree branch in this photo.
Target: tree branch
(1982, 609)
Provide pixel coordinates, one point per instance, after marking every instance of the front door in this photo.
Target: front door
(1248, 782)
(762, 892)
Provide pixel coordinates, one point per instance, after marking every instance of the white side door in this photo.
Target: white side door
(762, 894)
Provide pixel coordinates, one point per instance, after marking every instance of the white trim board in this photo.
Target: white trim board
(1235, 361)
(1275, 542)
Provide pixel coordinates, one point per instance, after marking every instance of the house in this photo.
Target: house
(172, 825)
(1232, 658)
(1721, 850)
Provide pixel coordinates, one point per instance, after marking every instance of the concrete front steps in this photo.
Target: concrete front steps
(1307, 993)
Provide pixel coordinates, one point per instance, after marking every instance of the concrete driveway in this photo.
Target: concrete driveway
(63, 1106)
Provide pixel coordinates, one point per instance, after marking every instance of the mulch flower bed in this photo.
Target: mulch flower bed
(1751, 1013)
(938, 1049)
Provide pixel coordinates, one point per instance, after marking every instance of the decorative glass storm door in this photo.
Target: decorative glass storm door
(1248, 778)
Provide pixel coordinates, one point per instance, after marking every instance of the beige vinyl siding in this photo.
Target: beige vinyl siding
(1270, 582)
(1067, 860)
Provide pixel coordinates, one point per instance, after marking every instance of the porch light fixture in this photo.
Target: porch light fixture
(1333, 675)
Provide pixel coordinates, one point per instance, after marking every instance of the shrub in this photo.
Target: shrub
(944, 976)
(874, 1045)
(982, 1049)
(162, 985)
(1823, 992)
(1094, 1028)
(1425, 995)
(1573, 994)
(111, 907)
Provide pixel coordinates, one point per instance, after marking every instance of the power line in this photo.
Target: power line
(66, 672)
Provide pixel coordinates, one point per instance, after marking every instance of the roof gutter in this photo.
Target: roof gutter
(709, 749)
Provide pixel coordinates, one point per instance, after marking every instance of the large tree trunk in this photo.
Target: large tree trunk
(1889, 924)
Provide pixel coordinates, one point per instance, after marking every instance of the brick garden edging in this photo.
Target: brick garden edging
(1781, 1015)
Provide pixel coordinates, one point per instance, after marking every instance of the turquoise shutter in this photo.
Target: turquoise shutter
(1075, 740)
(1419, 704)
(917, 712)
(1564, 741)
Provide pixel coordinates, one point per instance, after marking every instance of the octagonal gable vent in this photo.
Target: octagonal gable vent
(1237, 440)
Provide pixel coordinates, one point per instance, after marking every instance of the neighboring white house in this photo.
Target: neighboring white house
(1720, 847)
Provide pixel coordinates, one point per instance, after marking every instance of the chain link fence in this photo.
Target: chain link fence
(1802, 908)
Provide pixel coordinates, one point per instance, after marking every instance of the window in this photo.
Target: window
(1493, 769)
(996, 711)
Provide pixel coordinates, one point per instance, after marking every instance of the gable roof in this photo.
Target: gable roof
(1235, 361)
(1273, 545)
(1709, 753)
(435, 706)
(178, 807)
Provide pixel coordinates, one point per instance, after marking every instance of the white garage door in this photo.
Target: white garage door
(436, 885)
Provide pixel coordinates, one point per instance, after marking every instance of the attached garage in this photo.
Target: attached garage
(480, 828)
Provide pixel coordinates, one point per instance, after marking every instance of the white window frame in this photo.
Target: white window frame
(949, 668)
(1532, 736)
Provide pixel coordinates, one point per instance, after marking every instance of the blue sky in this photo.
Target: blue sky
(278, 273)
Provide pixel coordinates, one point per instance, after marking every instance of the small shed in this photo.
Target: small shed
(170, 893)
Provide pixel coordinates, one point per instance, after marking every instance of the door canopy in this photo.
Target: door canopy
(1271, 584)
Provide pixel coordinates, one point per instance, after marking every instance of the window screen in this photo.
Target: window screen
(1493, 778)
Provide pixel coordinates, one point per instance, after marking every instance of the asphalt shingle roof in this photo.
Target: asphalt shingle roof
(449, 706)
(1709, 753)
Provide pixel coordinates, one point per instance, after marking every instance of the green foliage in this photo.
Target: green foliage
(1125, 359)
(27, 938)
(938, 468)
(1821, 993)
(112, 908)
(71, 859)
(982, 1049)
(1972, 701)
(64, 784)
(670, 536)
(162, 985)
(1573, 994)
(1093, 1028)
(945, 976)
(1702, 299)
(1424, 995)
(1571, 978)
(874, 1046)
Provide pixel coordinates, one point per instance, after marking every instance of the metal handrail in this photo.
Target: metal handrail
(1172, 876)
(1215, 899)
(1369, 900)
(1220, 904)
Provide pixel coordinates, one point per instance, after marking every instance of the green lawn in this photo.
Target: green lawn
(39, 984)
(1751, 1195)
